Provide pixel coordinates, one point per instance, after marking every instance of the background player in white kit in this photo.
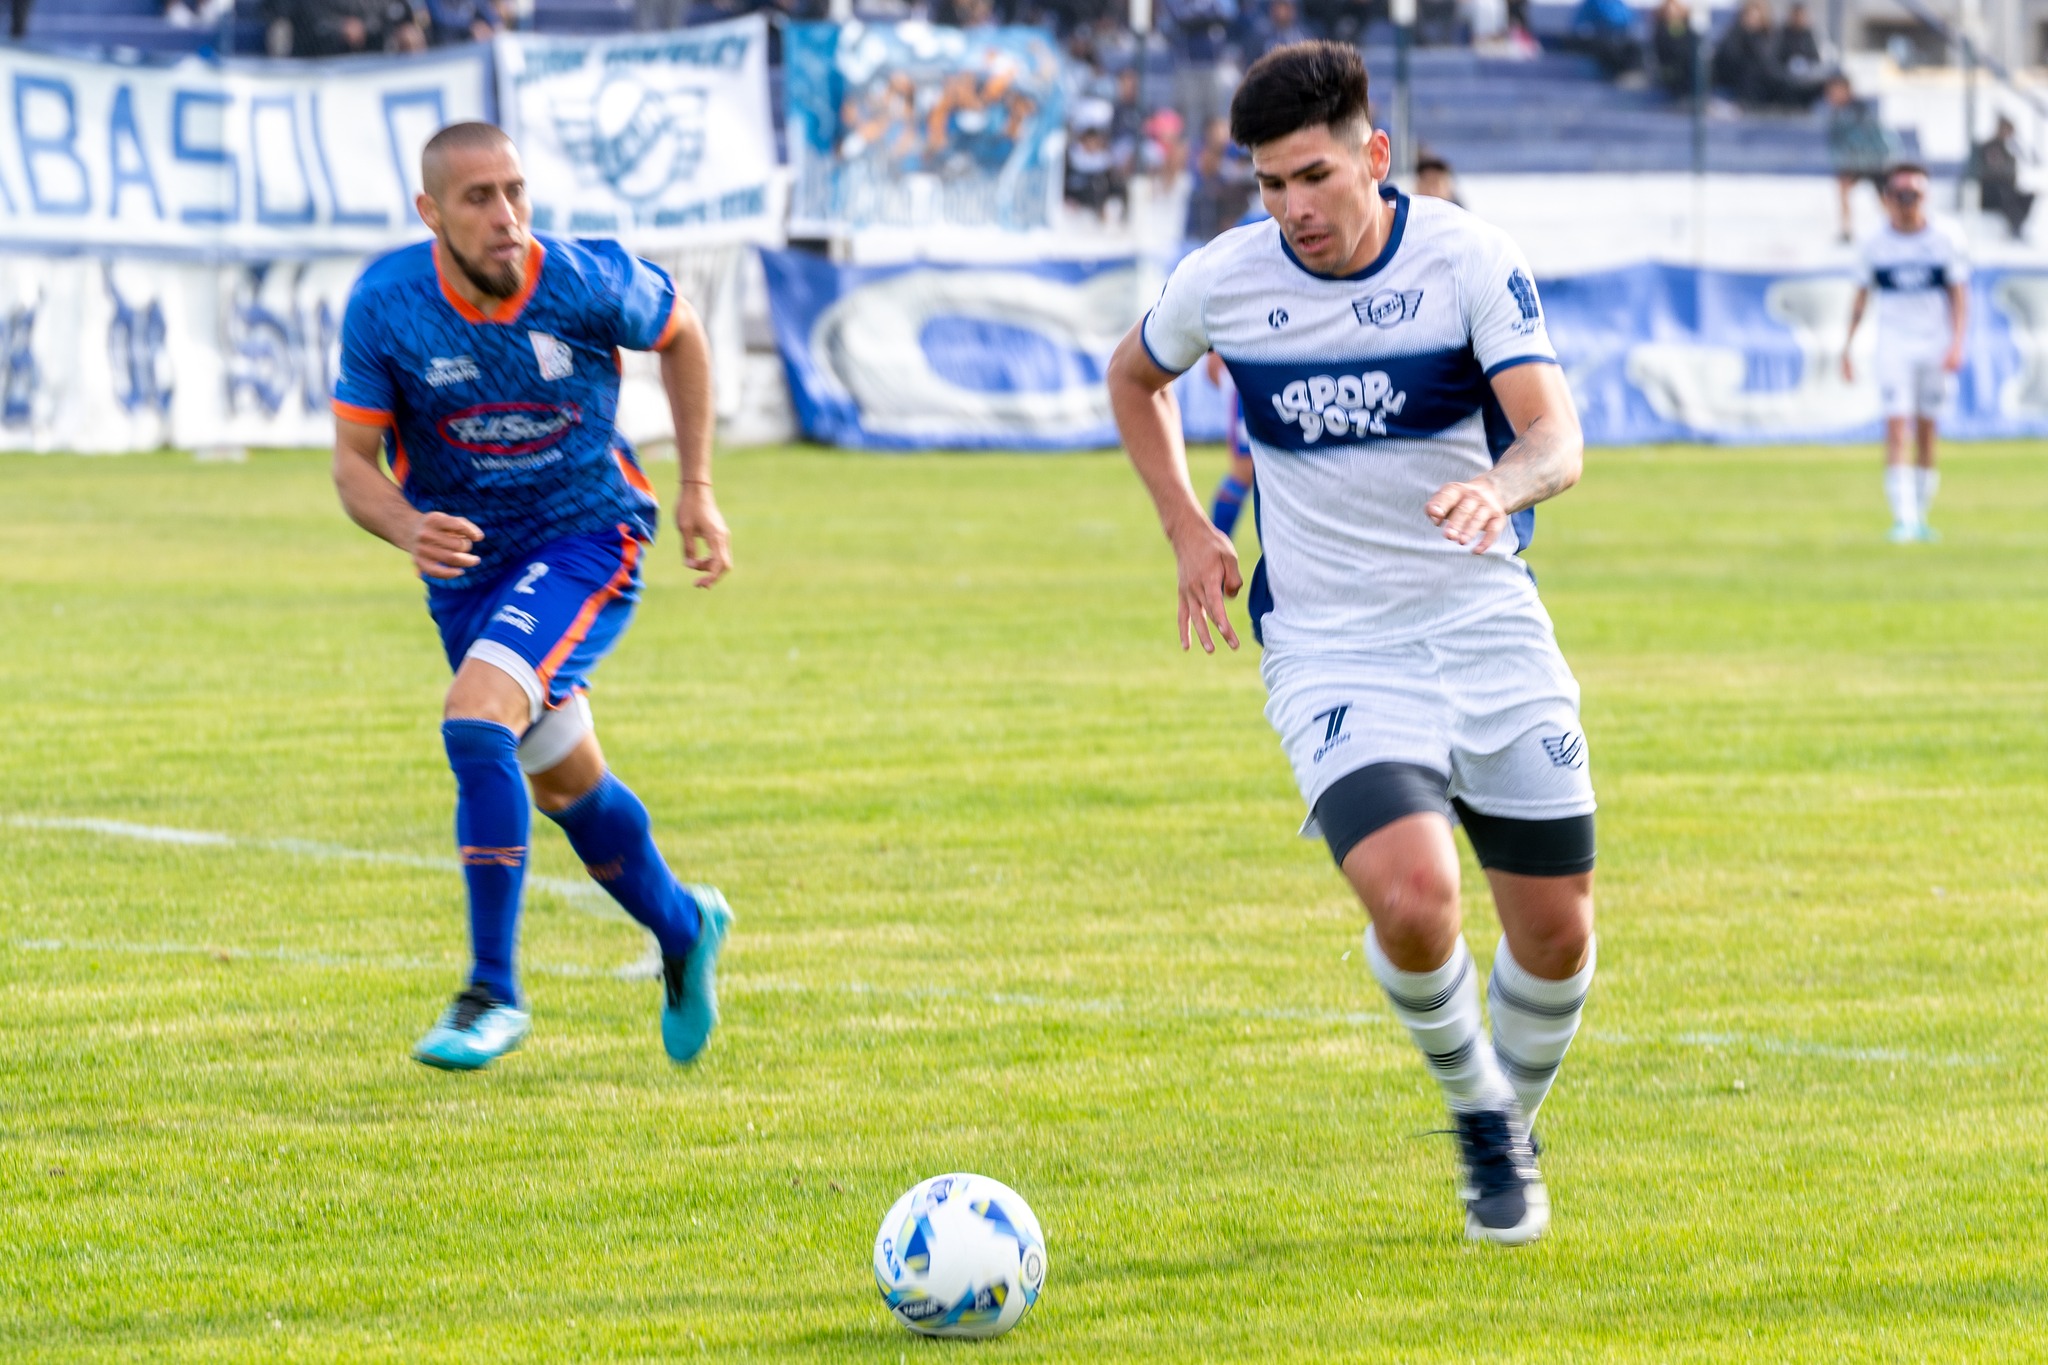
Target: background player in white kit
(1920, 272)
(1388, 351)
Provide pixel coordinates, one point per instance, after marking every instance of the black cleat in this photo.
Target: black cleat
(1505, 1201)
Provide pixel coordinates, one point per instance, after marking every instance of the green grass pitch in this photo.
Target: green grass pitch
(1018, 893)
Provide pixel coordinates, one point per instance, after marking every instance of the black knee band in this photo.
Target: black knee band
(1375, 796)
(1530, 848)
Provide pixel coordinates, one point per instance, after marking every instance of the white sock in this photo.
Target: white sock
(1901, 488)
(1533, 1023)
(1441, 1012)
(1926, 483)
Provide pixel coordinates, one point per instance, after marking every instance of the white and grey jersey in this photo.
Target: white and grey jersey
(1362, 395)
(1908, 275)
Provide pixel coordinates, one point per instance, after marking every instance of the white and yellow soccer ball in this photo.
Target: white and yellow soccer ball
(960, 1256)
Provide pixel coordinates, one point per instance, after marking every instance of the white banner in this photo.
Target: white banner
(660, 139)
(253, 160)
(102, 356)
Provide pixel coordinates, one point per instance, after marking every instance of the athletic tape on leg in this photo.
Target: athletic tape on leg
(555, 735)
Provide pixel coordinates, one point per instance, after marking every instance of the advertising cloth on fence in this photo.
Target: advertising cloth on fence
(911, 125)
(1669, 353)
(962, 356)
(104, 355)
(258, 160)
(659, 139)
(1012, 357)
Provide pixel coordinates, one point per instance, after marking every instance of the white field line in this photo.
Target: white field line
(593, 901)
(581, 895)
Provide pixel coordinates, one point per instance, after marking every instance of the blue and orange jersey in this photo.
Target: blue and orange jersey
(506, 418)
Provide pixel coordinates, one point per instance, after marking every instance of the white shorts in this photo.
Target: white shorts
(1492, 706)
(1912, 383)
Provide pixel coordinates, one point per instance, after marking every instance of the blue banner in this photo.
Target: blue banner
(1669, 353)
(965, 357)
(912, 125)
(1012, 356)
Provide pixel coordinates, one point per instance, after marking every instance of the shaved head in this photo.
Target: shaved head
(446, 145)
(473, 198)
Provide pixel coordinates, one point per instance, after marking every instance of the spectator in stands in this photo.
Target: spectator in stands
(333, 28)
(1995, 166)
(1746, 65)
(464, 21)
(1605, 30)
(1092, 180)
(1434, 179)
(651, 16)
(1858, 144)
(1166, 148)
(1798, 53)
(1674, 49)
(1126, 123)
(1223, 185)
(1277, 27)
(1205, 62)
(18, 27)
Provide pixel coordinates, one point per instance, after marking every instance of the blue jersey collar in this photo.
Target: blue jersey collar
(1380, 261)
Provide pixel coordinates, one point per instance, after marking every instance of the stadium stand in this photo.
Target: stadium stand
(1559, 114)
(136, 26)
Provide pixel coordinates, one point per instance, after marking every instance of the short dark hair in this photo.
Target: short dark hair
(1899, 168)
(1301, 85)
(1424, 165)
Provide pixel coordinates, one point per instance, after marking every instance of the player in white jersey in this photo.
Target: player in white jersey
(1920, 274)
(1389, 350)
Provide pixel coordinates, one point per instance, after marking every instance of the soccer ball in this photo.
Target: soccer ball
(960, 1256)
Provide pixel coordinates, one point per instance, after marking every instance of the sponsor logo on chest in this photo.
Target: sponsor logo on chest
(507, 429)
(556, 359)
(1340, 404)
(443, 370)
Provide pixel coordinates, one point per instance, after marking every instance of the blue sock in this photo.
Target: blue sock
(608, 828)
(1229, 502)
(492, 820)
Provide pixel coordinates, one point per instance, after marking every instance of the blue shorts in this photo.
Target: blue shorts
(548, 619)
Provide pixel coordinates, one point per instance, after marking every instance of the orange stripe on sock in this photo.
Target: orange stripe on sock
(629, 556)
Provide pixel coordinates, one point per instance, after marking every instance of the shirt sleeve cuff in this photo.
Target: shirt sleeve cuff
(1513, 361)
(369, 417)
(675, 323)
(1152, 355)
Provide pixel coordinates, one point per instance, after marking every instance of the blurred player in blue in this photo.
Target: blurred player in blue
(485, 364)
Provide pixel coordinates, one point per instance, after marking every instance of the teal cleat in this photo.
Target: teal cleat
(689, 1008)
(476, 1030)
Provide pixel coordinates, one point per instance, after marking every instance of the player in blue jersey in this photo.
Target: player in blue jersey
(485, 365)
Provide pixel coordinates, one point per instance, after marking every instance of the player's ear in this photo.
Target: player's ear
(429, 211)
(1379, 153)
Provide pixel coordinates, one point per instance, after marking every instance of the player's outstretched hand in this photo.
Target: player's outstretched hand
(440, 545)
(1208, 573)
(1953, 361)
(707, 545)
(1470, 513)
(1848, 369)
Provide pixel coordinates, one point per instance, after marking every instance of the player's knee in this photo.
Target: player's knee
(483, 693)
(1557, 945)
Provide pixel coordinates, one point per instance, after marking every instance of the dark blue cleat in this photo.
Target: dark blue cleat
(1505, 1200)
